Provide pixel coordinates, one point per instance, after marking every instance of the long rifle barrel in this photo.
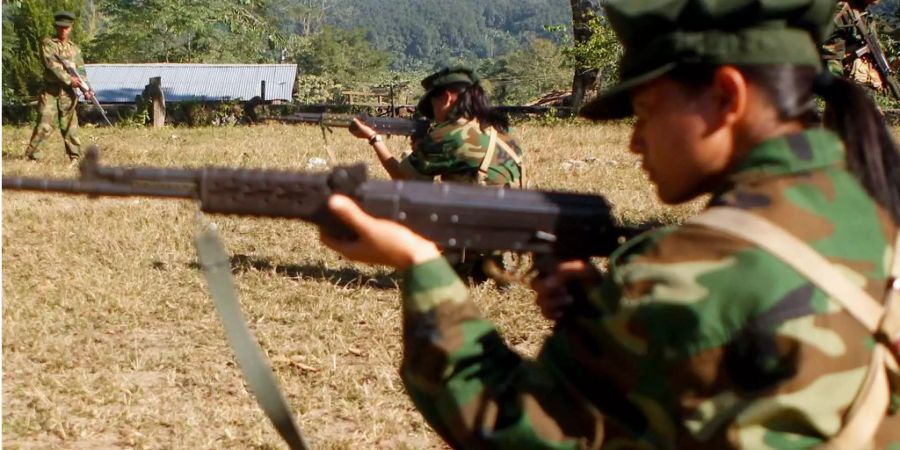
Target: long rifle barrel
(416, 128)
(96, 188)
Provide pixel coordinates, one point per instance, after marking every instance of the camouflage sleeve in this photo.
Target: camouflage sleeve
(470, 387)
(48, 50)
(410, 172)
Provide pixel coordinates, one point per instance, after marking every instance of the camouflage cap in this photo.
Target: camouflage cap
(64, 18)
(658, 35)
(450, 75)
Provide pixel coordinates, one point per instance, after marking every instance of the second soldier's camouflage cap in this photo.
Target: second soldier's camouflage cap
(64, 18)
(658, 35)
(448, 76)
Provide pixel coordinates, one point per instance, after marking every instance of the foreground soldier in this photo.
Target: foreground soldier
(56, 105)
(697, 338)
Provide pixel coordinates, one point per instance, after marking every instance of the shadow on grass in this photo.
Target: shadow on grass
(346, 276)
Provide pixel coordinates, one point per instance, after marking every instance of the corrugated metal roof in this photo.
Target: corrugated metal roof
(120, 83)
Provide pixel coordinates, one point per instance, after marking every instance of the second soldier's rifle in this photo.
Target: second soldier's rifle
(851, 17)
(415, 128)
(85, 87)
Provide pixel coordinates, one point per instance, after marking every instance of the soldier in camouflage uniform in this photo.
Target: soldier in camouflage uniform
(845, 40)
(701, 335)
(58, 98)
(467, 143)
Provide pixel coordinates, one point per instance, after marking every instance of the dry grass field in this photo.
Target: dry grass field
(110, 339)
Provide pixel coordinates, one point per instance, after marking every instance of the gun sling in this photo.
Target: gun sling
(217, 270)
(870, 405)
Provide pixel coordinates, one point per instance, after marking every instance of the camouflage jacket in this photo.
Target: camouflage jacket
(695, 339)
(454, 151)
(54, 72)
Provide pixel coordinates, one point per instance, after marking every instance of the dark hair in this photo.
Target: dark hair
(472, 103)
(872, 156)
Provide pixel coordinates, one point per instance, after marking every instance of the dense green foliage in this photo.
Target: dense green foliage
(25, 24)
(336, 43)
(424, 34)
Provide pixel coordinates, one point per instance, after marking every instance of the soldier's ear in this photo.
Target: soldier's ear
(730, 94)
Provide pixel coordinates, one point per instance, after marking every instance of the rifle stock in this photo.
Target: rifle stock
(456, 216)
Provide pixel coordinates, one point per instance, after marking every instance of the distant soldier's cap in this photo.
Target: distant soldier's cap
(659, 35)
(64, 18)
(448, 76)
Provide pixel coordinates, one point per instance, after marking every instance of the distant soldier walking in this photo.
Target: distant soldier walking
(58, 97)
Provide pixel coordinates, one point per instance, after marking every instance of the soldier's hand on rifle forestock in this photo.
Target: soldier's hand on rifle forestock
(552, 295)
(89, 95)
(362, 131)
(378, 241)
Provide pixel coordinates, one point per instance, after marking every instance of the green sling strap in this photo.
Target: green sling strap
(217, 270)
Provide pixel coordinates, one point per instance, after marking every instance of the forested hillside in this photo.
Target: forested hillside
(422, 33)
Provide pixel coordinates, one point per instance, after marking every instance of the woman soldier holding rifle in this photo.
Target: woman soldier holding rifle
(765, 322)
(468, 143)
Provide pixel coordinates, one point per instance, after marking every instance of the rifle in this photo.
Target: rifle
(85, 87)
(551, 225)
(455, 216)
(873, 48)
(415, 128)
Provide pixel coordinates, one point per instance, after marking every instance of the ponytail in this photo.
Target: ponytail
(872, 155)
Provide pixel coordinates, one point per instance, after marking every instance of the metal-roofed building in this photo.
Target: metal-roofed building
(120, 83)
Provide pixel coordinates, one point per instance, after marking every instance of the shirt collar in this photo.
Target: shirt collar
(812, 149)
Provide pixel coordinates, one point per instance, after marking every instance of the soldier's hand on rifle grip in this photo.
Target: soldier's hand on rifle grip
(360, 130)
(555, 289)
(378, 241)
(76, 83)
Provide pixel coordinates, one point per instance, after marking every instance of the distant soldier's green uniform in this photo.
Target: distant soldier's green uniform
(58, 98)
(460, 150)
(696, 339)
(455, 151)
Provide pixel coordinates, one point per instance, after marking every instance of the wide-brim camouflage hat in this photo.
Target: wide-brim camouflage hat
(64, 18)
(660, 35)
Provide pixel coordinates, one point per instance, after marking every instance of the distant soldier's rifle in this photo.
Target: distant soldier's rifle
(415, 128)
(873, 48)
(551, 225)
(85, 87)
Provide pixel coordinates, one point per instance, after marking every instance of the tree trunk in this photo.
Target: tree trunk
(585, 78)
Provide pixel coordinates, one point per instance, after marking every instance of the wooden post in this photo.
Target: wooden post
(158, 102)
(393, 109)
(262, 90)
